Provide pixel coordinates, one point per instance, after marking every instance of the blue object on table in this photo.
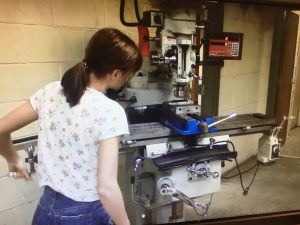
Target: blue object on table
(191, 127)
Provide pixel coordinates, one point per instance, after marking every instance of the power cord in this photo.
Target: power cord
(245, 189)
(235, 175)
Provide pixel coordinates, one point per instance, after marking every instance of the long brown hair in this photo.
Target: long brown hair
(108, 49)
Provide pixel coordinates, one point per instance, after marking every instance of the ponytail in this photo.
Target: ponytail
(108, 49)
(74, 83)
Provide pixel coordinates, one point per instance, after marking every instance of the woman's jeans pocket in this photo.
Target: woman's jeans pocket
(73, 218)
(56, 209)
(87, 215)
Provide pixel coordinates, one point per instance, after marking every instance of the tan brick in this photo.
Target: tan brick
(225, 101)
(87, 36)
(11, 44)
(42, 44)
(72, 48)
(20, 81)
(26, 12)
(63, 67)
(87, 14)
(49, 44)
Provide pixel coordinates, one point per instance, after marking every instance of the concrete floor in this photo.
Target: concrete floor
(276, 187)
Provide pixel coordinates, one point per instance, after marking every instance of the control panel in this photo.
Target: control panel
(224, 46)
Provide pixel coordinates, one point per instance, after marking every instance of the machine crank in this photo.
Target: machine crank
(200, 208)
(197, 171)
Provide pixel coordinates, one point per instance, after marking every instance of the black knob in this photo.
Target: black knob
(169, 53)
(157, 19)
(276, 150)
(132, 99)
(35, 158)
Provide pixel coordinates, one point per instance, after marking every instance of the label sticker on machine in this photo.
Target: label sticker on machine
(169, 40)
(156, 150)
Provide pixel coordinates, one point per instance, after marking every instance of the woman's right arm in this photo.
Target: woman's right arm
(14, 120)
(108, 187)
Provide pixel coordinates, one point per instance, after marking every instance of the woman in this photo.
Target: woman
(79, 132)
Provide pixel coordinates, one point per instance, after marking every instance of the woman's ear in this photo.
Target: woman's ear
(115, 73)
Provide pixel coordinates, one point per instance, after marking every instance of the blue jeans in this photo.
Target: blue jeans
(56, 209)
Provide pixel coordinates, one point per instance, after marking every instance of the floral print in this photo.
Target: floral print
(69, 139)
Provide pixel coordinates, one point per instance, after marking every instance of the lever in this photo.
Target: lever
(137, 163)
(221, 120)
(199, 170)
(277, 130)
(200, 208)
(132, 99)
(128, 142)
(204, 126)
(31, 159)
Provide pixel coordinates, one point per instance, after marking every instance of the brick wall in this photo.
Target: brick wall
(244, 83)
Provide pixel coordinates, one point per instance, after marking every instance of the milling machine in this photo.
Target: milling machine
(174, 153)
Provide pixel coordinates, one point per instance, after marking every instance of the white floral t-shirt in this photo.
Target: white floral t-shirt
(68, 139)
